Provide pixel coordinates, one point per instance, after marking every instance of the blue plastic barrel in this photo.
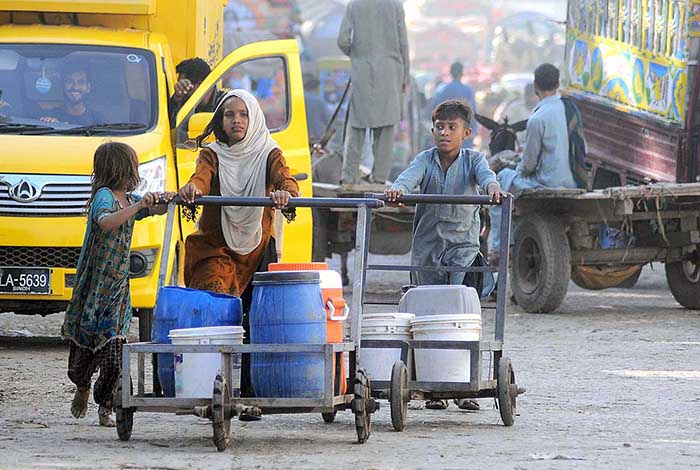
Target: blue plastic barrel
(179, 307)
(287, 308)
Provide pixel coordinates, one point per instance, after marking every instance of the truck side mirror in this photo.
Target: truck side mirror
(197, 123)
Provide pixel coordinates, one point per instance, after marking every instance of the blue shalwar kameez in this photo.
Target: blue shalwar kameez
(444, 234)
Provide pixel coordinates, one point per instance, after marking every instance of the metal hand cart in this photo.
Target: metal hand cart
(500, 383)
(223, 405)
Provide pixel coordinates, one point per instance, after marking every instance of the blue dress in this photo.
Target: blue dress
(100, 309)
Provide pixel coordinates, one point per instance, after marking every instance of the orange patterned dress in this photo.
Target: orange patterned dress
(209, 263)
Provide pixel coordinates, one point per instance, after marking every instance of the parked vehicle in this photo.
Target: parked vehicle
(632, 70)
(130, 62)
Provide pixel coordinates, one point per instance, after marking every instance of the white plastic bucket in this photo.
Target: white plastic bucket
(444, 365)
(195, 372)
(441, 300)
(377, 363)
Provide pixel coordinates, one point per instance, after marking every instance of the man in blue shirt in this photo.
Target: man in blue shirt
(545, 159)
(456, 90)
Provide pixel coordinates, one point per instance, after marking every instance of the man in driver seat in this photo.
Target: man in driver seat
(76, 88)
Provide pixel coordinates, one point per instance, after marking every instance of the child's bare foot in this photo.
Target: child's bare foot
(105, 417)
(79, 406)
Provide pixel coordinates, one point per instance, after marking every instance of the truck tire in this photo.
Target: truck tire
(683, 279)
(541, 263)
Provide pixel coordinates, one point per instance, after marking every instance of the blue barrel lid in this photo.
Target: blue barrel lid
(287, 277)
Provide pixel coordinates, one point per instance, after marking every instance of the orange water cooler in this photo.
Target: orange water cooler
(336, 309)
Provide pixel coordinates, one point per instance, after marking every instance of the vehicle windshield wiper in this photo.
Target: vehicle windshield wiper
(18, 128)
(95, 129)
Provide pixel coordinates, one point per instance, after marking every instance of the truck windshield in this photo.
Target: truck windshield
(65, 89)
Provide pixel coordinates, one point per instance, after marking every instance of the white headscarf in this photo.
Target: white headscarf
(242, 173)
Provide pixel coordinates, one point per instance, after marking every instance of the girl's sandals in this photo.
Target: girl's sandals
(79, 405)
(436, 405)
(105, 417)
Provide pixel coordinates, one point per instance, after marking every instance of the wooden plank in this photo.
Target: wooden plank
(667, 190)
(624, 256)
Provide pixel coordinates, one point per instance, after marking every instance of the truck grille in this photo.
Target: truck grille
(39, 256)
(59, 196)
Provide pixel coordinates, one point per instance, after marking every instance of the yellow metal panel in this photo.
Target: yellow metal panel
(130, 7)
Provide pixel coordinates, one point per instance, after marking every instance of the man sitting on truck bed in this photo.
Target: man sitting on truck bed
(545, 160)
(190, 74)
(76, 88)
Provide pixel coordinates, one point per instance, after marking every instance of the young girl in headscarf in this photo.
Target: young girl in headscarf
(232, 243)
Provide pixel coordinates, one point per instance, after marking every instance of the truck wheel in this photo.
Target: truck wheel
(541, 263)
(684, 281)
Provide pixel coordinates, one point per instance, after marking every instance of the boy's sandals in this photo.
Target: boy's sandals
(79, 405)
(466, 404)
(105, 417)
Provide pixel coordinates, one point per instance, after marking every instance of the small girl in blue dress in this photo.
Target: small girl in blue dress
(98, 316)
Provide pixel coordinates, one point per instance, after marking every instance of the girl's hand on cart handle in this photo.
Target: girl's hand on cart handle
(189, 192)
(161, 203)
(148, 200)
(280, 198)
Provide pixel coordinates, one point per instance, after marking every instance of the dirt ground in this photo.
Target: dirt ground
(612, 379)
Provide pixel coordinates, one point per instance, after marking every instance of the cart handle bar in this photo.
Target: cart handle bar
(323, 202)
(439, 199)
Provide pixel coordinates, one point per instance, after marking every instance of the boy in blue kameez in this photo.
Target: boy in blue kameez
(443, 234)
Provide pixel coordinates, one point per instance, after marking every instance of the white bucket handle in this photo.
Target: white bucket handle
(343, 316)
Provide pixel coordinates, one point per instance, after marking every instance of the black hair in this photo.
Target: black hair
(72, 66)
(196, 69)
(215, 126)
(456, 70)
(453, 109)
(115, 166)
(546, 77)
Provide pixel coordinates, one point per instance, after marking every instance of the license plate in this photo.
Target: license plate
(25, 280)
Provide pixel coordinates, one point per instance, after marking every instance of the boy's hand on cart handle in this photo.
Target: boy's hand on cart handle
(495, 193)
(280, 198)
(393, 196)
(189, 192)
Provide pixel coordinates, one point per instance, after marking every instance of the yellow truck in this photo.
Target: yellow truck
(128, 50)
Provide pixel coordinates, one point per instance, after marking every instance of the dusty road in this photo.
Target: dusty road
(613, 381)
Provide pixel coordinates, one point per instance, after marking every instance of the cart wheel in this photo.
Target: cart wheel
(361, 406)
(329, 417)
(507, 391)
(124, 416)
(220, 422)
(398, 397)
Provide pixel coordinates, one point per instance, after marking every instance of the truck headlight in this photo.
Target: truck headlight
(152, 176)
